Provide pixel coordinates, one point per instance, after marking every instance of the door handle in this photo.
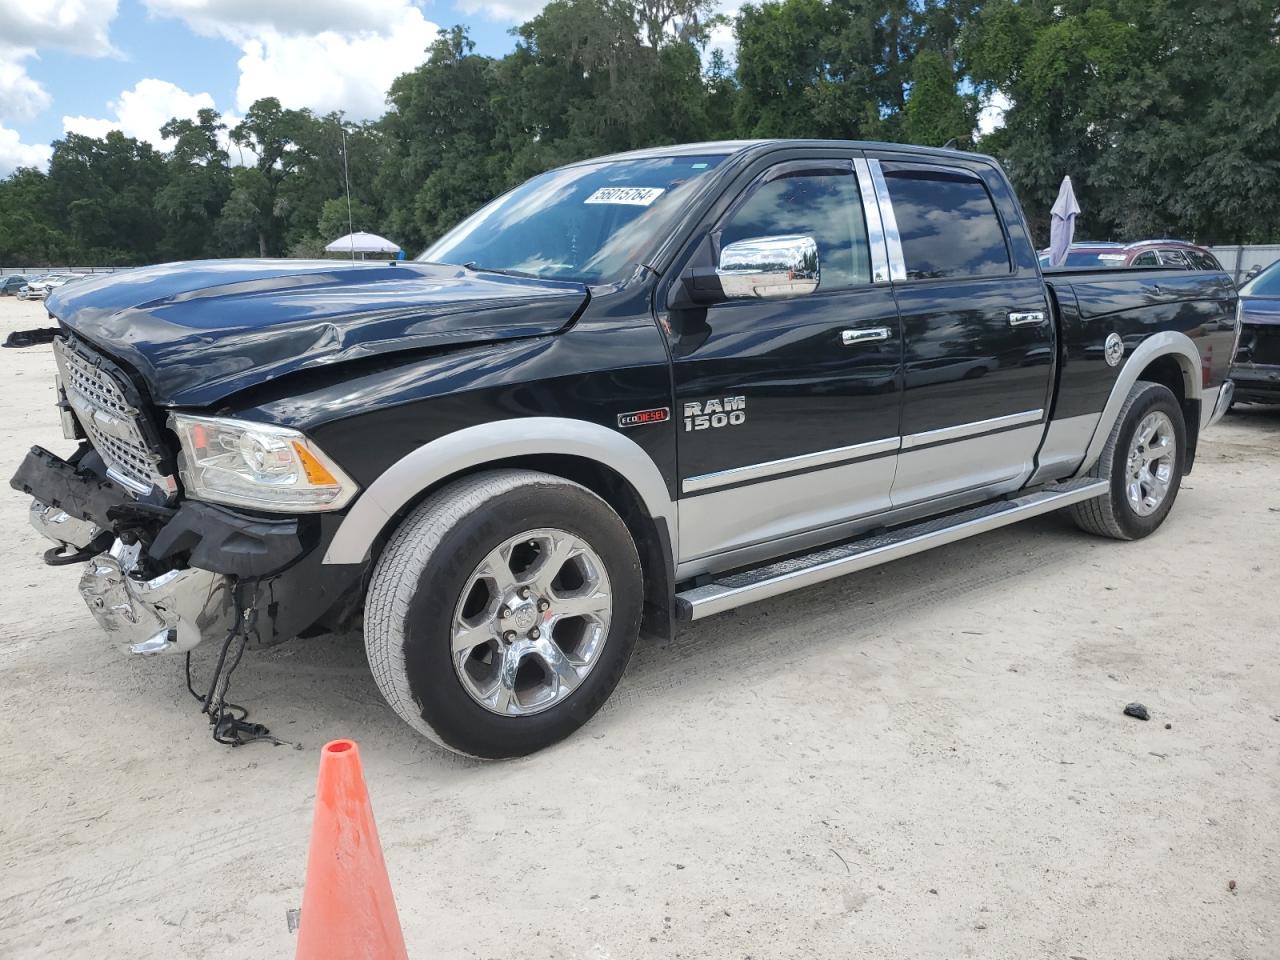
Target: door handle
(869, 335)
(1030, 318)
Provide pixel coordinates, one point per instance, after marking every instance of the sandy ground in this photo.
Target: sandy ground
(925, 760)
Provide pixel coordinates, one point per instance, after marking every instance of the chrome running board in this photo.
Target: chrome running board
(738, 589)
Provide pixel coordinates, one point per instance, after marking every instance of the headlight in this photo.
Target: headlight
(257, 465)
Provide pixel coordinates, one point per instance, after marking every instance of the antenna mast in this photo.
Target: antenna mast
(346, 178)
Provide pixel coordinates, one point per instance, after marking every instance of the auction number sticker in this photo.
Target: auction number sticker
(631, 196)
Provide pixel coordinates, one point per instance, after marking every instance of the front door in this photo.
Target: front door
(978, 339)
(787, 409)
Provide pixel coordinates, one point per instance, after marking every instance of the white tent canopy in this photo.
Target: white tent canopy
(361, 242)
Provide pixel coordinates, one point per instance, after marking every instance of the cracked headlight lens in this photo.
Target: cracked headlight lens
(257, 465)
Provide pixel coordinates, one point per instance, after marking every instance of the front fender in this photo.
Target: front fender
(471, 447)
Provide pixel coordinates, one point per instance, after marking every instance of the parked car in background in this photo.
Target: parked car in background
(41, 287)
(9, 286)
(1167, 254)
(31, 290)
(1256, 367)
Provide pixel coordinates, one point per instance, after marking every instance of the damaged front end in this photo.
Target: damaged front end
(161, 571)
(171, 611)
(139, 580)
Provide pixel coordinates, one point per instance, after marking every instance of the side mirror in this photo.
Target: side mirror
(769, 267)
(761, 268)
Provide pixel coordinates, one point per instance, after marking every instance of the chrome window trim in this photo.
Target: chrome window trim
(875, 228)
(962, 430)
(804, 461)
(893, 239)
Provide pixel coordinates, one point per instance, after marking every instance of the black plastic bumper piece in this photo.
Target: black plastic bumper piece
(81, 494)
(215, 538)
(224, 541)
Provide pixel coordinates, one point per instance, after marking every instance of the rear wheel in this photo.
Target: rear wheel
(503, 612)
(1143, 464)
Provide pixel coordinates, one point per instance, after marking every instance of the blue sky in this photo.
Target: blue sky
(94, 65)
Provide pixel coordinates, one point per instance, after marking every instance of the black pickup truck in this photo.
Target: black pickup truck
(633, 391)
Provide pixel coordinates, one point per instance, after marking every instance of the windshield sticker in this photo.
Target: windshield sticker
(632, 196)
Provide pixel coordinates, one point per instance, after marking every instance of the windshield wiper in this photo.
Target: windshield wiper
(475, 267)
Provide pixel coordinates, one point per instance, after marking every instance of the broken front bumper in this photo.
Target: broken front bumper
(168, 613)
(160, 579)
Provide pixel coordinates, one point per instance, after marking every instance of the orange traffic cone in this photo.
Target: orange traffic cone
(348, 910)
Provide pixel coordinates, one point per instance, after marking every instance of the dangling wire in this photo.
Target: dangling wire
(230, 721)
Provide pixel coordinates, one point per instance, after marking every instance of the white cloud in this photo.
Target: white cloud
(238, 20)
(14, 153)
(331, 71)
(21, 97)
(510, 11)
(991, 114)
(142, 111)
(322, 54)
(80, 26)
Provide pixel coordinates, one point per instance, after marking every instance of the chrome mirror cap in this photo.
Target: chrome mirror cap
(769, 267)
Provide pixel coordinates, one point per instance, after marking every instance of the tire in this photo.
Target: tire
(1114, 514)
(431, 583)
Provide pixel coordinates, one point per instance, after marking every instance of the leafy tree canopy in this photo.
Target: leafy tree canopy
(1166, 114)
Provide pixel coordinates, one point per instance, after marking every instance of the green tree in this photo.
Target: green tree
(936, 111)
(101, 194)
(271, 133)
(441, 160)
(196, 188)
(27, 238)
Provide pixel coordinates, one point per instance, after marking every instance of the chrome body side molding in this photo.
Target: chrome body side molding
(736, 590)
(962, 430)
(804, 461)
(487, 443)
(1167, 342)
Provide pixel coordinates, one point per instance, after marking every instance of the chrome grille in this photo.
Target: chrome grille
(112, 424)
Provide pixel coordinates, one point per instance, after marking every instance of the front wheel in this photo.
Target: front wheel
(1143, 463)
(503, 612)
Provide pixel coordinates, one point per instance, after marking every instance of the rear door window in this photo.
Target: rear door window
(1147, 259)
(947, 222)
(1175, 259)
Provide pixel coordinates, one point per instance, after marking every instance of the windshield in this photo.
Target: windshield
(587, 223)
(1265, 284)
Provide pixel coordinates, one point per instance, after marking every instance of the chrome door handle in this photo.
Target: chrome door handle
(869, 335)
(1031, 318)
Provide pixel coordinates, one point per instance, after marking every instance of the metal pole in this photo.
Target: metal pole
(346, 177)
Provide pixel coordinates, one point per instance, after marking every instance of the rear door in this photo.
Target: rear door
(978, 344)
(787, 409)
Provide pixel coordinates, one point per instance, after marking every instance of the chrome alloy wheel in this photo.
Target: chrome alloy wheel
(1151, 462)
(532, 622)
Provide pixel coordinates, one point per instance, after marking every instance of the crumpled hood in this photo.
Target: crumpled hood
(200, 331)
(1260, 310)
